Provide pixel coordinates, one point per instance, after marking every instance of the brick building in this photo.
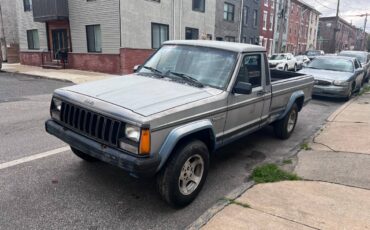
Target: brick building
(345, 37)
(267, 18)
(298, 27)
(107, 35)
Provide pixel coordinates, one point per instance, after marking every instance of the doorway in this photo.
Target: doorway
(60, 42)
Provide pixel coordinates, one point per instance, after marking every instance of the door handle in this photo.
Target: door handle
(261, 93)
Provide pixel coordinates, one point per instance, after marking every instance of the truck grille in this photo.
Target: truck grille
(91, 124)
(321, 82)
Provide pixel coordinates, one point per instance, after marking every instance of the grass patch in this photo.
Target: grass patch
(305, 146)
(237, 203)
(365, 89)
(271, 173)
(288, 161)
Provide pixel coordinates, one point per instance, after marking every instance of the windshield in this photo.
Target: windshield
(313, 53)
(359, 56)
(334, 64)
(278, 57)
(207, 66)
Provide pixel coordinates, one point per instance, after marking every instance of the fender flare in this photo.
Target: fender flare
(292, 100)
(180, 132)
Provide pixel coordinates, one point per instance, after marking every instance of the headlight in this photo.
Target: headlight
(56, 107)
(57, 104)
(341, 83)
(132, 132)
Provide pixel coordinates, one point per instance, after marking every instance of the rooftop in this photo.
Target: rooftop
(231, 46)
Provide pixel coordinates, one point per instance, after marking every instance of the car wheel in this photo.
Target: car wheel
(83, 155)
(349, 95)
(285, 68)
(180, 181)
(295, 68)
(284, 128)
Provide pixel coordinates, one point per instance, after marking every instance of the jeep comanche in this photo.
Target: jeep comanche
(169, 117)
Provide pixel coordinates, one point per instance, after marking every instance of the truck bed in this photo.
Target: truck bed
(284, 85)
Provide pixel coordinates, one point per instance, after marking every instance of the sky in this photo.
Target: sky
(346, 9)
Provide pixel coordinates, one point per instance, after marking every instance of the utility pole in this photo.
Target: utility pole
(364, 38)
(2, 37)
(335, 29)
(282, 14)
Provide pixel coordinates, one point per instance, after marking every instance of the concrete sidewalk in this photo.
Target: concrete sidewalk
(70, 75)
(335, 194)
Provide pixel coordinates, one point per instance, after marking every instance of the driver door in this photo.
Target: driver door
(244, 110)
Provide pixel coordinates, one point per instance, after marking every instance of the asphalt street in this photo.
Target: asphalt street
(61, 191)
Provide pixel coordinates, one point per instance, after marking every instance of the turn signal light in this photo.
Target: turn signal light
(145, 142)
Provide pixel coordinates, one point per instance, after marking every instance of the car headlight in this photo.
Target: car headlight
(132, 132)
(56, 107)
(136, 140)
(341, 83)
(57, 104)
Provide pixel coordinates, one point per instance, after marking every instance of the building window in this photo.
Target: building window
(191, 33)
(271, 20)
(230, 39)
(264, 20)
(228, 12)
(266, 2)
(33, 40)
(160, 34)
(255, 18)
(245, 13)
(199, 5)
(27, 5)
(93, 35)
(244, 40)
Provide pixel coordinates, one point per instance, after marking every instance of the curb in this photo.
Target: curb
(219, 206)
(38, 76)
(332, 117)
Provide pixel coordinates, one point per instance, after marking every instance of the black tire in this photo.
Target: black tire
(350, 93)
(285, 68)
(295, 68)
(83, 155)
(168, 180)
(282, 128)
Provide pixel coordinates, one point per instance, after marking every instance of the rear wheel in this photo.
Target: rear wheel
(285, 68)
(295, 68)
(83, 155)
(284, 128)
(184, 174)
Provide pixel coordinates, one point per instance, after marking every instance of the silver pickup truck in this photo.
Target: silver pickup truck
(170, 116)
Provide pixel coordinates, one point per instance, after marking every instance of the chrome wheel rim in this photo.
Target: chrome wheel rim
(292, 120)
(191, 174)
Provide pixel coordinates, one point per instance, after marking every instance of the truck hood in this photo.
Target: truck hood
(327, 74)
(143, 95)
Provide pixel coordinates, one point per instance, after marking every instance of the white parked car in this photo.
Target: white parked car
(283, 61)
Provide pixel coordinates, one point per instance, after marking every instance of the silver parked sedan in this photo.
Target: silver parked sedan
(335, 76)
(363, 57)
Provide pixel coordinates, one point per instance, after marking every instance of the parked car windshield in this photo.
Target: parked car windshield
(313, 52)
(335, 64)
(278, 57)
(359, 56)
(208, 66)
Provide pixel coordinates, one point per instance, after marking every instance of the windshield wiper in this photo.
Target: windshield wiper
(154, 70)
(187, 78)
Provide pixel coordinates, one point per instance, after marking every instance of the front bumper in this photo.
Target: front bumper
(331, 91)
(136, 166)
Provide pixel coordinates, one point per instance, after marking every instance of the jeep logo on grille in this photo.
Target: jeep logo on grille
(89, 102)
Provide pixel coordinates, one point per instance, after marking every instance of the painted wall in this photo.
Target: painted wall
(225, 28)
(103, 12)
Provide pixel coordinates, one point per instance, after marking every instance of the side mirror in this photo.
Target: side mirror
(136, 67)
(243, 88)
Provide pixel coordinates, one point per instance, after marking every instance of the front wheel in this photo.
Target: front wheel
(284, 128)
(184, 174)
(285, 68)
(295, 68)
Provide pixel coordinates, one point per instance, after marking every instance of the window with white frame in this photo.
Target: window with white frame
(266, 2)
(264, 20)
(271, 20)
(255, 18)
